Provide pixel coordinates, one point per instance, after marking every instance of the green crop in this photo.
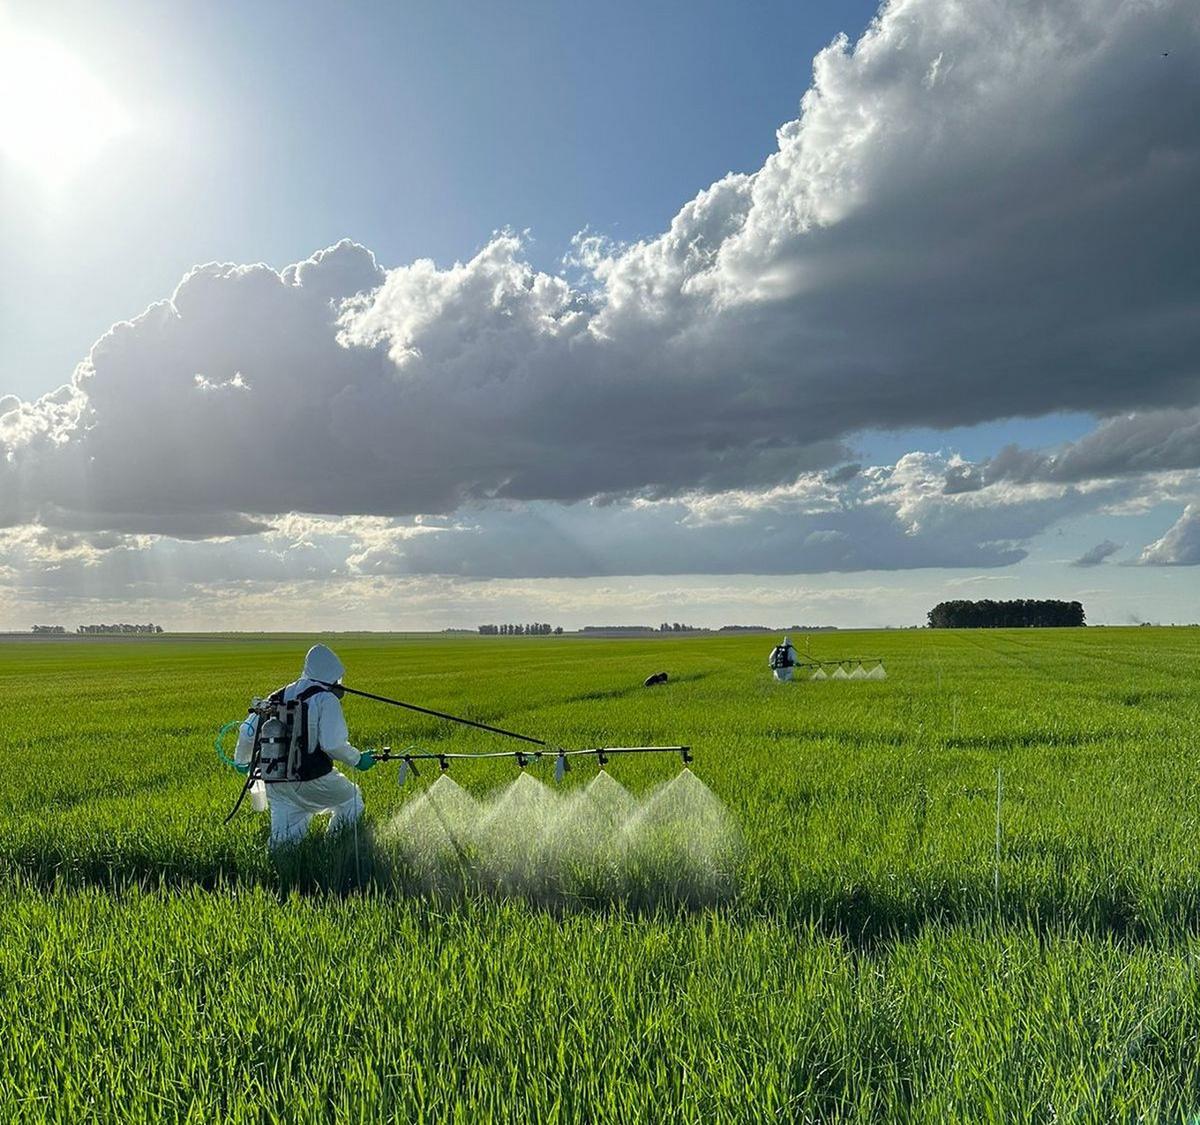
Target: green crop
(866, 960)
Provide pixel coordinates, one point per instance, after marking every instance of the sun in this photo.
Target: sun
(54, 116)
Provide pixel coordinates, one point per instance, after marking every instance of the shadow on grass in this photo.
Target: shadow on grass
(1022, 740)
(864, 917)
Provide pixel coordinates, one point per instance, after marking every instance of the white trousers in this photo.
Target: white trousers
(294, 803)
(783, 675)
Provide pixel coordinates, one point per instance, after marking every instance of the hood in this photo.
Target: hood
(321, 664)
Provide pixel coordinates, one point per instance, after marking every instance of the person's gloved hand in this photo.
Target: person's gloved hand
(242, 767)
(365, 760)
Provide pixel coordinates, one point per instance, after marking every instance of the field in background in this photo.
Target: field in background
(159, 967)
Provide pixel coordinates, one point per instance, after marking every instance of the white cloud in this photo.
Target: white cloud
(1180, 546)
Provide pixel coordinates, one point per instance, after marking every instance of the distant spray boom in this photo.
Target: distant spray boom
(847, 668)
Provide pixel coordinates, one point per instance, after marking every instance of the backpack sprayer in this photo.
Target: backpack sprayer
(281, 752)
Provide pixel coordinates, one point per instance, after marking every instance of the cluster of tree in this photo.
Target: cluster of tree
(618, 629)
(1023, 613)
(537, 629)
(49, 629)
(675, 627)
(812, 629)
(139, 629)
(745, 629)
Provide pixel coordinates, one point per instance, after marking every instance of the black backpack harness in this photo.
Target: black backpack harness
(782, 656)
(281, 751)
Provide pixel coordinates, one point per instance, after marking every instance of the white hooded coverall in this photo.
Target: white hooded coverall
(294, 803)
(784, 673)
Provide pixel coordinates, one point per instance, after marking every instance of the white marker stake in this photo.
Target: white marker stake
(996, 880)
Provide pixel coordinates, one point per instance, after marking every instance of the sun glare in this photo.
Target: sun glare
(54, 115)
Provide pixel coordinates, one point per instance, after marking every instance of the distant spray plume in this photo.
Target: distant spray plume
(600, 843)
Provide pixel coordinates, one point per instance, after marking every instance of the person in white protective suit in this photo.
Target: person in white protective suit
(783, 660)
(294, 803)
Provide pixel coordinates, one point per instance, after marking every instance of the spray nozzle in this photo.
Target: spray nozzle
(443, 763)
(601, 758)
(522, 760)
(685, 752)
(407, 765)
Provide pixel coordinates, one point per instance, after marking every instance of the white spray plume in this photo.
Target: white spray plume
(600, 843)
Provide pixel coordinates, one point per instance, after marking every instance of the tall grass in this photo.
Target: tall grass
(161, 967)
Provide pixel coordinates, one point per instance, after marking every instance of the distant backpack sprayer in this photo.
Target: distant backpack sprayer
(785, 665)
(782, 660)
(281, 752)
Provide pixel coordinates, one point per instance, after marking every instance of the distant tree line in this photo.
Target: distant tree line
(49, 629)
(537, 629)
(777, 629)
(1022, 613)
(618, 629)
(123, 629)
(676, 627)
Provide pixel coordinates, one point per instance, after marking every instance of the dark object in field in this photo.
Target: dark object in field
(657, 678)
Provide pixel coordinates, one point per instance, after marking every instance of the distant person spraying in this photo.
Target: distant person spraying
(295, 749)
(783, 660)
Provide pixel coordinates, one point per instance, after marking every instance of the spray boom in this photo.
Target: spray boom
(408, 760)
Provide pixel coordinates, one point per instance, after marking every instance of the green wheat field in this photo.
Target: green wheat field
(867, 958)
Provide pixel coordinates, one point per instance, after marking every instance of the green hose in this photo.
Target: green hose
(220, 739)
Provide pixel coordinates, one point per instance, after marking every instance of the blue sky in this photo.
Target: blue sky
(937, 334)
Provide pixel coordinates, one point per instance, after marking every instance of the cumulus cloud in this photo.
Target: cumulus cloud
(1180, 546)
(212, 404)
(1097, 554)
(885, 267)
(1151, 442)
